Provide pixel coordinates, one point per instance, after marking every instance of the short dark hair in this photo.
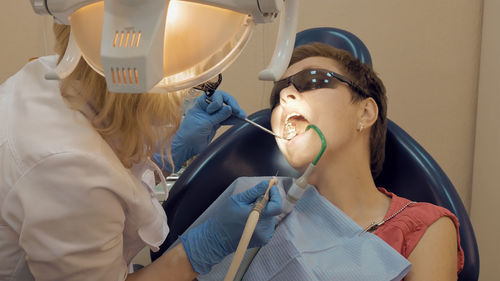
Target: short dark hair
(367, 84)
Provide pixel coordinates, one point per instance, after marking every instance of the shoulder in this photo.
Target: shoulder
(418, 222)
(412, 217)
(420, 217)
(32, 71)
(56, 144)
(37, 123)
(68, 185)
(74, 172)
(405, 230)
(435, 256)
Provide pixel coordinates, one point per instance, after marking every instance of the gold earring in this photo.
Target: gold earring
(361, 127)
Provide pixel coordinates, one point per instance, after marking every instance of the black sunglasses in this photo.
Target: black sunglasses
(311, 79)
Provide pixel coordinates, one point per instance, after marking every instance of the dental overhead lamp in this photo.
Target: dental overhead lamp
(161, 46)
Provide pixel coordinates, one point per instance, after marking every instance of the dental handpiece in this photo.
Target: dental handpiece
(293, 195)
(250, 225)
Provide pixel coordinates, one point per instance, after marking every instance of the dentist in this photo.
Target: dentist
(77, 184)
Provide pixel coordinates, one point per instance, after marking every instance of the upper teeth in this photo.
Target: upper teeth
(290, 116)
(290, 128)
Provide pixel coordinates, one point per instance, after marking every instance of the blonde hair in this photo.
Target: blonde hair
(132, 124)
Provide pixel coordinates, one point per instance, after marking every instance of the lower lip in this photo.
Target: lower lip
(297, 138)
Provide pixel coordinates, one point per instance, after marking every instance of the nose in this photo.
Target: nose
(288, 94)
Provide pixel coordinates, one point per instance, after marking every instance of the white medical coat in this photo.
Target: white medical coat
(69, 210)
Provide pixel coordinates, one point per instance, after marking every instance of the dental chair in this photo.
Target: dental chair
(244, 150)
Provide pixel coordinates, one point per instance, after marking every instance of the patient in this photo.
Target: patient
(346, 100)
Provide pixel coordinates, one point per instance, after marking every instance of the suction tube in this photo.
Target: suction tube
(293, 195)
(299, 186)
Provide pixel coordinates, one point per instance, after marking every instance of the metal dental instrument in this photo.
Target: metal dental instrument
(261, 127)
(209, 88)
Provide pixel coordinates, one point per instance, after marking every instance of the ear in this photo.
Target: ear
(368, 112)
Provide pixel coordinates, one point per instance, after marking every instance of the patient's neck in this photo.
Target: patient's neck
(349, 185)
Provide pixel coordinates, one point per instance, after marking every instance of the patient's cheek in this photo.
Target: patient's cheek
(298, 160)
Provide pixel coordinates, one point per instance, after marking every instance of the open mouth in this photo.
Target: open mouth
(295, 124)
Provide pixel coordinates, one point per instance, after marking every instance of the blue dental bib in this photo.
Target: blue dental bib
(316, 241)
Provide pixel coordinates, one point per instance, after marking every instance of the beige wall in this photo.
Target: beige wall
(427, 55)
(24, 35)
(485, 192)
(427, 52)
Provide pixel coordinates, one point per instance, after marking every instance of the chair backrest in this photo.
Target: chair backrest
(409, 171)
(338, 38)
(243, 150)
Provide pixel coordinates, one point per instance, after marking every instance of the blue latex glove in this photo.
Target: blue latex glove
(199, 126)
(208, 243)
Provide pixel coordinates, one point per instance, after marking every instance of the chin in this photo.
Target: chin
(299, 163)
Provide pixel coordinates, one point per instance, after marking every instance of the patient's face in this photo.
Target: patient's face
(332, 110)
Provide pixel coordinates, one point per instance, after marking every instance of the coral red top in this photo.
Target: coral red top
(405, 229)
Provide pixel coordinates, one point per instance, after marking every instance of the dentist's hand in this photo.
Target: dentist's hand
(208, 243)
(199, 126)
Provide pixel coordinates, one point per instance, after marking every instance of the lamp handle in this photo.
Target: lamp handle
(284, 44)
(68, 63)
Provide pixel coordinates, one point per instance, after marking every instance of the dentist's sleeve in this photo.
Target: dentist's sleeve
(70, 219)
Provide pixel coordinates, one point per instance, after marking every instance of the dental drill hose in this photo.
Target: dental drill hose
(250, 225)
(293, 195)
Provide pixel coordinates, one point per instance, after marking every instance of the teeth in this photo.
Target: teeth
(290, 116)
(290, 131)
